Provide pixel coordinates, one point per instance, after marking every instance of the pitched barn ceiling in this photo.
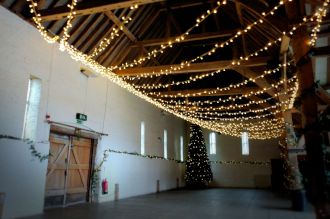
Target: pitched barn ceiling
(216, 63)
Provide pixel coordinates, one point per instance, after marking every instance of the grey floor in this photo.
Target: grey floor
(201, 204)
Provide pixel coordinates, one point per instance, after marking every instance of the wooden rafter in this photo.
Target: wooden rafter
(90, 7)
(107, 34)
(83, 36)
(240, 18)
(99, 36)
(127, 32)
(321, 51)
(142, 29)
(193, 68)
(93, 34)
(189, 38)
(80, 27)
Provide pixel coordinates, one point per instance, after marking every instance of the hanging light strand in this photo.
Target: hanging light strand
(216, 46)
(68, 25)
(199, 77)
(218, 90)
(154, 53)
(106, 41)
(37, 20)
(230, 128)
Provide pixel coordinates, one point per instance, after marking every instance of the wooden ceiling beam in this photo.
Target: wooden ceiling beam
(210, 92)
(142, 29)
(320, 51)
(193, 68)
(240, 18)
(114, 42)
(126, 31)
(90, 7)
(325, 33)
(75, 31)
(83, 36)
(189, 38)
(94, 34)
(118, 22)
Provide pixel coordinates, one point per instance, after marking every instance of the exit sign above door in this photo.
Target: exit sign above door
(81, 117)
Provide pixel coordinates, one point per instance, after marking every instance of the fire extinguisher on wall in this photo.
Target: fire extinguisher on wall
(104, 186)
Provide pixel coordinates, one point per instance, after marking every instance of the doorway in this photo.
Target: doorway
(69, 170)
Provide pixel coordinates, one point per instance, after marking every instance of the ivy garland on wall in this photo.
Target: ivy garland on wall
(41, 157)
(251, 162)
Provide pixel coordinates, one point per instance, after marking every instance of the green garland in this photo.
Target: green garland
(145, 156)
(33, 150)
(260, 163)
(236, 162)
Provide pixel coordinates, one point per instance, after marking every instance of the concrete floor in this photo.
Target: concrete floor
(199, 204)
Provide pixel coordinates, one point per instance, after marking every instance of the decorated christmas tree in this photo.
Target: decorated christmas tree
(198, 170)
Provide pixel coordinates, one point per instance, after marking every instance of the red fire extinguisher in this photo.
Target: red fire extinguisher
(104, 186)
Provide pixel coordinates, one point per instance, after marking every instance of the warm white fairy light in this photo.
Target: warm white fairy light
(240, 115)
(216, 46)
(219, 90)
(258, 129)
(37, 20)
(199, 77)
(320, 14)
(199, 105)
(68, 25)
(105, 42)
(215, 113)
(154, 53)
(238, 118)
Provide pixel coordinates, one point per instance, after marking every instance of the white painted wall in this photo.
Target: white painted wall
(65, 92)
(241, 175)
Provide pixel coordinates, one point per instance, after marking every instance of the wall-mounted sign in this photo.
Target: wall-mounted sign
(81, 117)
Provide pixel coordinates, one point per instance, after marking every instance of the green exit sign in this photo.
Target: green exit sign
(81, 117)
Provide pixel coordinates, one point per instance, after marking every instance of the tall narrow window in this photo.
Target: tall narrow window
(142, 138)
(165, 143)
(213, 143)
(32, 108)
(245, 143)
(181, 148)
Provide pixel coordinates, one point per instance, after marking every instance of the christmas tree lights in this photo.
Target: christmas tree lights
(198, 173)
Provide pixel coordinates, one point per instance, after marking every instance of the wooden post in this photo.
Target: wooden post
(316, 169)
(290, 140)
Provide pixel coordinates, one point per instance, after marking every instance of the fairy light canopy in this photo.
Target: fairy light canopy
(212, 63)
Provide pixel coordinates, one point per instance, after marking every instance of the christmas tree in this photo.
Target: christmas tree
(198, 170)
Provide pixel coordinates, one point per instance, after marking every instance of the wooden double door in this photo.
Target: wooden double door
(69, 170)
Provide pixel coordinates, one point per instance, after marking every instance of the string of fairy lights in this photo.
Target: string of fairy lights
(216, 46)
(106, 41)
(169, 44)
(68, 25)
(199, 77)
(219, 90)
(270, 127)
(43, 157)
(229, 162)
(202, 105)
